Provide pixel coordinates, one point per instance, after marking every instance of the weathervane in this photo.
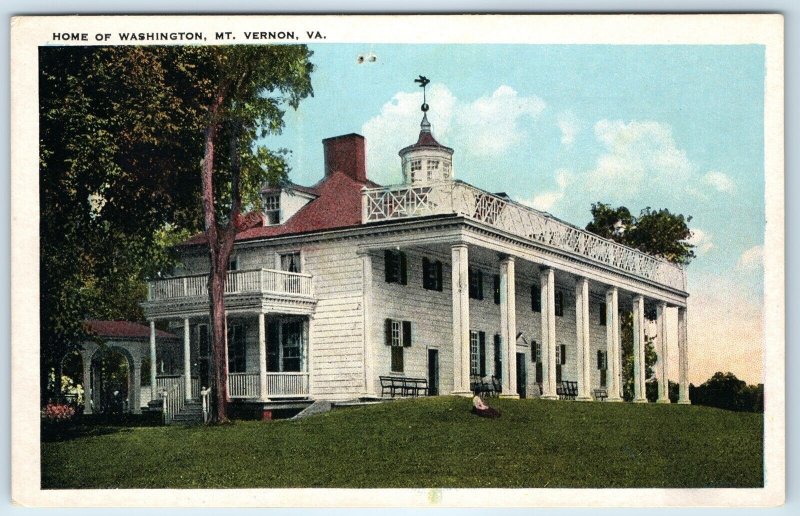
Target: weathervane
(423, 81)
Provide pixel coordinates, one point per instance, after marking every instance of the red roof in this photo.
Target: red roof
(425, 140)
(123, 329)
(338, 206)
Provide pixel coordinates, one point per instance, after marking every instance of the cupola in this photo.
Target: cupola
(427, 161)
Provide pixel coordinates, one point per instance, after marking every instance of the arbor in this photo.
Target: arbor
(656, 232)
(248, 91)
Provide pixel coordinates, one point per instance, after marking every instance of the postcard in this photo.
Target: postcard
(423, 261)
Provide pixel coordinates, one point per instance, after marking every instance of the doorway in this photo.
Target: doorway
(522, 380)
(433, 372)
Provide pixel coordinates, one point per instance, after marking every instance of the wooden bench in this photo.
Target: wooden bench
(567, 390)
(403, 386)
(600, 394)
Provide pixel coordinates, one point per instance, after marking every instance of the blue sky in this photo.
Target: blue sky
(561, 126)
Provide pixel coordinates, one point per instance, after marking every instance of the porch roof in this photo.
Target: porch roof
(123, 329)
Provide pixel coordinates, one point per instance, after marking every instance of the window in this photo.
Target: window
(536, 356)
(272, 208)
(233, 263)
(475, 284)
(559, 298)
(446, 170)
(395, 266)
(561, 359)
(433, 169)
(398, 337)
(290, 262)
(415, 167)
(431, 274)
(497, 289)
(602, 365)
(498, 356)
(536, 298)
(237, 351)
(477, 353)
(602, 314)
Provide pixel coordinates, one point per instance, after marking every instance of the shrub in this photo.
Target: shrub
(57, 413)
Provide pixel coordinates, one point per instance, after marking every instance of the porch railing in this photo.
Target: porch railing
(166, 381)
(173, 400)
(457, 197)
(238, 282)
(279, 385)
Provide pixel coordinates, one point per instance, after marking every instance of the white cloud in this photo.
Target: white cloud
(702, 240)
(720, 181)
(546, 200)
(751, 258)
(569, 125)
(485, 127)
(637, 154)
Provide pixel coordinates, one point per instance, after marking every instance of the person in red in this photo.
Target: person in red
(482, 409)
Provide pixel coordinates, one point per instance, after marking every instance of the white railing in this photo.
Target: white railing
(406, 201)
(166, 381)
(279, 385)
(173, 400)
(205, 398)
(243, 385)
(256, 280)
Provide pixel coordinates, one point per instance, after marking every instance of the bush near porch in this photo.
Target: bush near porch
(429, 442)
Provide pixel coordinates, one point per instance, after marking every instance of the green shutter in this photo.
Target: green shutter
(482, 351)
(563, 354)
(438, 275)
(388, 332)
(406, 334)
(480, 284)
(426, 273)
(497, 289)
(388, 265)
(534, 346)
(599, 359)
(403, 269)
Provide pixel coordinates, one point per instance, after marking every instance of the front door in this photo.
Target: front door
(522, 380)
(433, 372)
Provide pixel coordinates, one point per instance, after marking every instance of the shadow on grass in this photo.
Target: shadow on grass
(90, 425)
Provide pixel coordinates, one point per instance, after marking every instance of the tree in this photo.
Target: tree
(119, 148)
(249, 89)
(655, 232)
(726, 391)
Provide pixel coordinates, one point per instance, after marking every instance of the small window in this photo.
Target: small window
(290, 262)
(536, 298)
(398, 337)
(272, 208)
(602, 314)
(237, 356)
(602, 365)
(433, 169)
(559, 299)
(446, 171)
(475, 284)
(431, 274)
(233, 263)
(416, 164)
(395, 266)
(497, 289)
(477, 353)
(498, 356)
(561, 360)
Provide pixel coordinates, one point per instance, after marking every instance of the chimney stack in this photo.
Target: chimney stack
(346, 154)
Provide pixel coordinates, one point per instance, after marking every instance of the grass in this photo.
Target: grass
(431, 442)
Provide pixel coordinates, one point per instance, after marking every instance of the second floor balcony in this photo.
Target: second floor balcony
(274, 290)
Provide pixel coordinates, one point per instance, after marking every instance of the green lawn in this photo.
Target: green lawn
(433, 442)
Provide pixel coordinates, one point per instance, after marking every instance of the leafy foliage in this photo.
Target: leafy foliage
(724, 390)
(657, 232)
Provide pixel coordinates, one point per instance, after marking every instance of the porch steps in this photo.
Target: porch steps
(190, 414)
(318, 407)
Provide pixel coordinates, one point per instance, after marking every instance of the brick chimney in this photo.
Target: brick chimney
(346, 154)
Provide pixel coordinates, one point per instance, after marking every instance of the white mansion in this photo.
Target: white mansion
(345, 283)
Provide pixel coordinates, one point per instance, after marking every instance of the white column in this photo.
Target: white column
(683, 359)
(369, 340)
(135, 386)
(187, 361)
(548, 285)
(582, 340)
(639, 394)
(508, 327)
(262, 358)
(153, 388)
(663, 353)
(460, 287)
(613, 351)
(86, 357)
(227, 362)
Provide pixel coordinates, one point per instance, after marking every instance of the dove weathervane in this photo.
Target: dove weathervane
(423, 82)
